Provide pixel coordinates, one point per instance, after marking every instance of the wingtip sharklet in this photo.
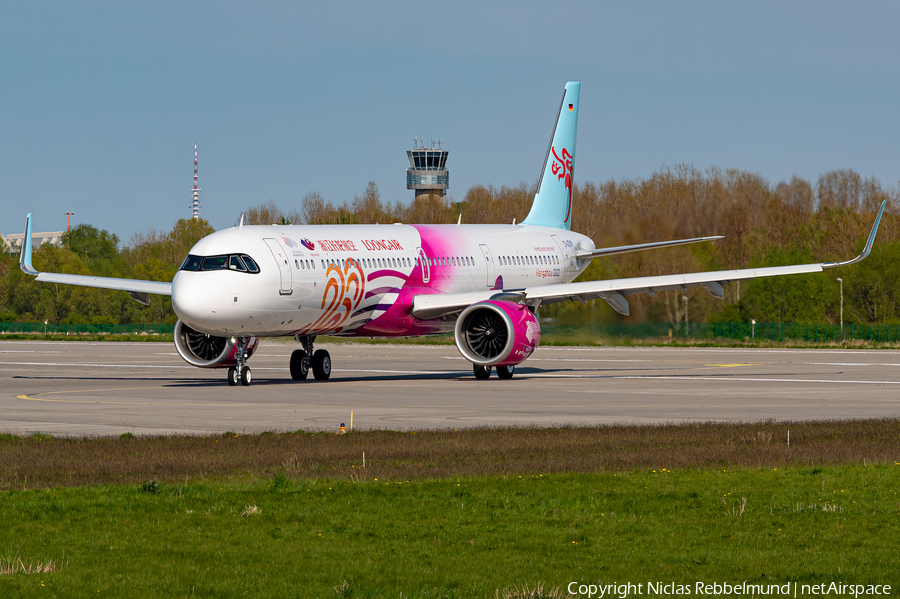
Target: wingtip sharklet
(870, 241)
(25, 254)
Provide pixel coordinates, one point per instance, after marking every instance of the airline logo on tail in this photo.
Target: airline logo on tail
(562, 168)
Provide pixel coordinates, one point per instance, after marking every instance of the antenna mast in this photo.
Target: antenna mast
(195, 195)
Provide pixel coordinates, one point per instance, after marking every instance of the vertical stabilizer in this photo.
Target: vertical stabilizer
(552, 205)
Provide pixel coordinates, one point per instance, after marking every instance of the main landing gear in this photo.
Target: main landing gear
(240, 372)
(301, 362)
(483, 373)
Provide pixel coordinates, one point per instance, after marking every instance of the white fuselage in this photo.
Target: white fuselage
(359, 280)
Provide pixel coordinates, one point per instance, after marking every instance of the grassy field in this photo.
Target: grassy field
(477, 513)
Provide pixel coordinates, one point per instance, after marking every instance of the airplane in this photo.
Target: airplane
(484, 283)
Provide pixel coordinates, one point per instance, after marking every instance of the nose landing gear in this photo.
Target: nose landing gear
(308, 357)
(240, 372)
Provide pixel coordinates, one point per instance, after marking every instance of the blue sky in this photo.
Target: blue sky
(101, 102)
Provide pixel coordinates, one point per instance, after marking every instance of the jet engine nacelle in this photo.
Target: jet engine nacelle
(207, 351)
(497, 333)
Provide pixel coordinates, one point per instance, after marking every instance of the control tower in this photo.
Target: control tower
(427, 172)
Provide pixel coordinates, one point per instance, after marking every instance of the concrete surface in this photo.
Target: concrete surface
(77, 388)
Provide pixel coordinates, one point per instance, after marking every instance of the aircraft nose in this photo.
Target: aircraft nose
(192, 303)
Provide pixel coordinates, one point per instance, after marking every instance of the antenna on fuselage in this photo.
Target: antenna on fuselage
(241, 225)
(459, 222)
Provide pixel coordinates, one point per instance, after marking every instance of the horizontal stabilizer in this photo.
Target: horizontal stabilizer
(624, 249)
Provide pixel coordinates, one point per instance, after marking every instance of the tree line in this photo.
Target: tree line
(795, 221)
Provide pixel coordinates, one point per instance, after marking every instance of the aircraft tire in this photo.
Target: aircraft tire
(321, 365)
(299, 365)
(482, 373)
(505, 372)
(246, 377)
(233, 376)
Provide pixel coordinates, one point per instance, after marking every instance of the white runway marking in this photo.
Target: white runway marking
(850, 364)
(253, 368)
(757, 380)
(855, 352)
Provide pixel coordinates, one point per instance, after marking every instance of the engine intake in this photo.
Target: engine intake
(497, 333)
(206, 351)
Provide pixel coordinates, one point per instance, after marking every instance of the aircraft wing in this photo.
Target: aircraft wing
(139, 290)
(615, 290)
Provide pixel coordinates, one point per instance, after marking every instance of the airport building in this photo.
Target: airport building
(427, 173)
(16, 240)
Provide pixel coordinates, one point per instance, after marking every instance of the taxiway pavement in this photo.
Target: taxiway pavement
(80, 388)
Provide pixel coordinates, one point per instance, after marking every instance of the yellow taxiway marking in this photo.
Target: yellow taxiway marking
(731, 365)
(129, 403)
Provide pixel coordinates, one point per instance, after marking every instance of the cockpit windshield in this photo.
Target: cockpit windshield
(215, 263)
(238, 262)
(192, 263)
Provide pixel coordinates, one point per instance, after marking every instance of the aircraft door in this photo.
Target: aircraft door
(284, 266)
(489, 262)
(426, 268)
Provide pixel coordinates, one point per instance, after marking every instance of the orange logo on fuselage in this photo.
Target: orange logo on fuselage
(344, 291)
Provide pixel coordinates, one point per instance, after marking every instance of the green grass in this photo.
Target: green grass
(472, 513)
(459, 537)
(40, 461)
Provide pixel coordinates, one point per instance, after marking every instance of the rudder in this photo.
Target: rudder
(552, 205)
